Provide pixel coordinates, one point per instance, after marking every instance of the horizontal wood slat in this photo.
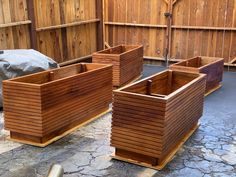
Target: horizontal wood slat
(15, 24)
(211, 66)
(127, 61)
(67, 25)
(153, 129)
(75, 94)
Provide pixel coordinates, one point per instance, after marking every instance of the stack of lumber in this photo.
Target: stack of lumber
(211, 66)
(41, 106)
(127, 61)
(150, 117)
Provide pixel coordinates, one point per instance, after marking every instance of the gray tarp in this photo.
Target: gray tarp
(14, 63)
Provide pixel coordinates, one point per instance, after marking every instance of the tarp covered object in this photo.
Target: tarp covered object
(14, 63)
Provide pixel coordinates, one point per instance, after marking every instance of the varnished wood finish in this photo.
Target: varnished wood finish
(152, 124)
(127, 61)
(211, 66)
(41, 106)
(146, 161)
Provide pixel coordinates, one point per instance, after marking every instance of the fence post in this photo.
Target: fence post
(99, 15)
(31, 15)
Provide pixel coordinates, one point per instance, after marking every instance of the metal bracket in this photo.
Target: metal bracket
(168, 14)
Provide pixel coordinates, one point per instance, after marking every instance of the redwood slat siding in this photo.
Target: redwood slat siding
(56, 103)
(152, 125)
(127, 62)
(211, 66)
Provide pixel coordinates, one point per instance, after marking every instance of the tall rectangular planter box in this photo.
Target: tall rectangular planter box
(127, 62)
(211, 66)
(42, 106)
(151, 117)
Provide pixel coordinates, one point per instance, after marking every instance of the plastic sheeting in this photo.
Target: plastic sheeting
(14, 63)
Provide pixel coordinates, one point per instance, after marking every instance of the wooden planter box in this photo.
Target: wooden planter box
(43, 106)
(152, 116)
(212, 67)
(127, 62)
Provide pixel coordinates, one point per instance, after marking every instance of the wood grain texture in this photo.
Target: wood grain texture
(40, 106)
(127, 61)
(211, 66)
(150, 126)
(17, 35)
(62, 30)
(199, 27)
(68, 29)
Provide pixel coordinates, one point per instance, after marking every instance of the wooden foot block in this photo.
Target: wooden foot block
(165, 161)
(18, 138)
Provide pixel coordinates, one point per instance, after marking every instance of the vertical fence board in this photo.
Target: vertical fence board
(13, 36)
(62, 43)
(199, 27)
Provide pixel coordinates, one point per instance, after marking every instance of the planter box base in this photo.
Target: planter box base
(213, 89)
(151, 162)
(54, 136)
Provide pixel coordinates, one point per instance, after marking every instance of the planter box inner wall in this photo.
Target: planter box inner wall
(211, 66)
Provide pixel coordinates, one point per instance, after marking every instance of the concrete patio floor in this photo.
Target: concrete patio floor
(210, 152)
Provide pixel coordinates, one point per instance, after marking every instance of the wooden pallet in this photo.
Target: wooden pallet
(213, 89)
(166, 160)
(61, 135)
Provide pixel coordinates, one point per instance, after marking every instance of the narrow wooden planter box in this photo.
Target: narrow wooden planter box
(127, 62)
(211, 66)
(42, 106)
(152, 116)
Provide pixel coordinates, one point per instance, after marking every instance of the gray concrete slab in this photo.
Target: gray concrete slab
(210, 152)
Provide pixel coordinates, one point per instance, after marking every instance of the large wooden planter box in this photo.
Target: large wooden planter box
(39, 107)
(151, 117)
(211, 66)
(127, 62)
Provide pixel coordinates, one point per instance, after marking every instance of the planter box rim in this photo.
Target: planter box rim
(165, 98)
(120, 54)
(13, 80)
(197, 68)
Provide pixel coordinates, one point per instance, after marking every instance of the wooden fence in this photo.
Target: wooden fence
(70, 29)
(61, 29)
(175, 29)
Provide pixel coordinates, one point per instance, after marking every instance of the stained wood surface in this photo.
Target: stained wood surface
(40, 106)
(16, 136)
(211, 66)
(14, 31)
(153, 124)
(71, 42)
(199, 27)
(62, 30)
(141, 160)
(127, 61)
